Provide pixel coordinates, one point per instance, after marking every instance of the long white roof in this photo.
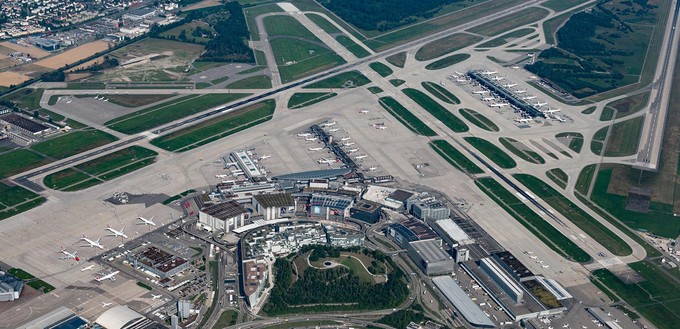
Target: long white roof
(467, 308)
(453, 230)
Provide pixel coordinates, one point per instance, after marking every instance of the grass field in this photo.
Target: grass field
(252, 12)
(440, 92)
(375, 90)
(73, 143)
(357, 50)
(26, 98)
(160, 114)
(216, 128)
(136, 100)
(521, 151)
(509, 22)
(381, 69)
(398, 59)
(597, 143)
(532, 221)
(447, 61)
(560, 5)
(575, 140)
(585, 178)
(100, 169)
(492, 152)
(478, 120)
(323, 23)
(629, 105)
(189, 29)
(505, 38)
(442, 114)
(397, 82)
(446, 45)
(226, 319)
(624, 137)
(558, 176)
(589, 110)
(607, 114)
(298, 58)
(255, 82)
(358, 270)
(455, 157)
(288, 26)
(300, 100)
(576, 215)
(20, 160)
(655, 298)
(16, 199)
(405, 117)
(31, 281)
(351, 79)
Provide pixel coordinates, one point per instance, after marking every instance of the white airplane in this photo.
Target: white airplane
(69, 101)
(489, 72)
(521, 91)
(486, 99)
(314, 149)
(515, 67)
(363, 111)
(545, 266)
(221, 176)
(528, 97)
(265, 157)
(352, 150)
(156, 296)
(539, 104)
(146, 221)
(87, 268)
(565, 326)
(97, 97)
(533, 257)
(551, 111)
(442, 83)
(348, 144)
(498, 104)
(609, 313)
(497, 78)
(509, 85)
(116, 233)
(329, 124)
(584, 327)
(523, 120)
(68, 255)
(106, 304)
(91, 243)
(461, 80)
(111, 276)
(311, 139)
(345, 139)
(327, 161)
(458, 73)
(304, 134)
(333, 130)
(105, 100)
(359, 157)
(372, 168)
(601, 325)
(559, 118)
(381, 127)
(480, 92)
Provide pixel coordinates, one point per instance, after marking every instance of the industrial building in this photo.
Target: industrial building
(366, 211)
(513, 266)
(274, 205)
(223, 216)
(10, 287)
(501, 278)
(430, 257)
(254, 280)
(140, 14)
(462, 302)
(122, 317)
(24, 124)
(402, 198)
(521, 105)
(158, 262)
(411, 230)
(330, 206)
(46, 44)
(451, 232)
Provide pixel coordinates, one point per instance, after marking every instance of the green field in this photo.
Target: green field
(455, 157)
(597, 143)
(375, 90)
(27, 99)
(397, 82)
(478, 120)
(73, 143)
(505, 38)
(351, 79)
(381, 69)
(575, 140)
(510, 22)
(558, 176)
(492, 152)
(447, 61)
(398, 59)
(440, 92)
(442, 114)
(298, 58)
(585, 179)
(543, 230)
(252, 12)
(629, 105)
(589, 110)
(188, 30)
(521, 151)
(624, 137)
(446, 45)
(300, 100)
(353, 47)
(607, 114)
(405, 117)
(216, 128)
(323, 23)
(226, 319)
(98, 170)
(560, 5)
(20, 160)
(576, 215)
(255, 82)
(16, 199)
(160, 114)
(136, 100)
(31, 281)
(282, 25)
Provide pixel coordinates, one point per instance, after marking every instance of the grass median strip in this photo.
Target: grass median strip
(455, 157)
(300, 100)
(543, 230)
(447, 61)
(351, 79)
(442, 114)
(405, 117)
(440, 92)
(73, 143)
(492, 152)
(16, 199)
(381, 69)
(576, 215)
(524, 153)
(216, 128)
(558, 176)
(478, 120)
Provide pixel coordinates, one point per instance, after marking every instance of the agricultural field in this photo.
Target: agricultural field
(446, 45)
(442, 114)
(447, 61)
(478, 120)
(381, 69)
(521, 150)
(300, 100)
(510, 22)
(211, 130)
(440, 92)
(492, 152)
(351, 79)
(455, 157)
(160, 114)
(405, 117)
(101, 169)
(16, 199)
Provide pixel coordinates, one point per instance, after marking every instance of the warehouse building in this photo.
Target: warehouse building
(274, 205)
(462, 302)
(367, 211)
(453, 234)
(502, 279)
(10, 287)
(158, 262)
(430, 257)
(24, 124)
(223, 216)
(401, 198)
(46, 44)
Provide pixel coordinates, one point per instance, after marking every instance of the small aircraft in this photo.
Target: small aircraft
(381, 127)
(489, 72)
(515, 67)
(327, 161)
(352, 150)
(345, 139)
(97, 97)
(565, 326)
(265, 157)
(106, 304)
(87, 268)
(498, 104)
(545, 266)
(509, 85)
(480, 92)
(461, 80)
(91, 243)
(442, 83)
(304, 134)
(497, 78)
(359, 157)
(363, 111)
(528, 97)
(333, 130)
(311, 139)
(111, 276)
(329, 124)
(116, 233)
(539, 104)
(146, 221)
(523, 120)
(486, 99)
(105, 99)
(348, 144)
(551, 111)
(372, 168)
(156, 296)
(521, 91)
(69, 101)
(458, 73)
(314, 149)
(69, 255)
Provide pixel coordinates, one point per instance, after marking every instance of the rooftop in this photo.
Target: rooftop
(270, 200)
(430, 251)
(467, 308)
(225, 210)
(24, 123)
(400, 195)
(453, 231)
(314, 174)
(367, 206)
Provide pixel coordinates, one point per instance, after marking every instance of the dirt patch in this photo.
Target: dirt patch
(35, 52)
(87, 64)
(77, 76)
(74, 55)
(12, 78)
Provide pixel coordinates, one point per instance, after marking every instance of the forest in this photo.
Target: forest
(384, 15)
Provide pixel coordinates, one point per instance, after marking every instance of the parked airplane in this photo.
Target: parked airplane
(515, 67)
(509, 85)
(348, 144)
(486, 99)
(106, 304)
(523, 120)
(489, 72)
(91, 243)
(565, 326)
(521, 91)
(528, 97)
(156, 296)
(314, 149)
(359, 157)
(111, 276)
(498, 104)
(551, 111)
(458, 73)
(480, 92)
(461, 80)
(363, 111)
(539, 104)
(352, 150)
(115, 232)
(346, 138)
(146, 221)
(327, 161)
(221, 176)
(87, 268)
(329, 124)
(265, 157)
(497, 78)
(69, 255)
(442, 83)
(304, 134)
(381, 127)
(69, 101)
(545, 266)
(372, 168)
(105, 100)
(311, 139)
(333, 130)
(97, 97)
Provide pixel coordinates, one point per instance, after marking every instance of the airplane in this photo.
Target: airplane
(486, 99)
(345, 139)
(329, 124)
(551, 111)
(314, 149)
(372, 168)
(327, 161)
(461, 80)
(584, 327)
(489, 72)
(515, 67)
(528, 97)
(156, 296)
(221, 176)
(87, 268)
(352, 150)
(69, 255)
(359, 157)
(523, 120)
(498, 104)
(381, 127)
(601, 325)
(333, 130)
(539, 104)
(481, 92)
(363, 111)
(106, 304)
(146, 221)
(105, 100)
(521, 91)
(91, 243)
(559, 118)
(111, 276)
(442, 83)
(348, 144)
(69, 101)
(594, 321)
(458, 73)
(533, 257)
(115, 232)
(545, 266)
(304, 134)
(265, 157)
(565, 326)
(311, 139)
(509, 85)
(97, 97)
(497, 78)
